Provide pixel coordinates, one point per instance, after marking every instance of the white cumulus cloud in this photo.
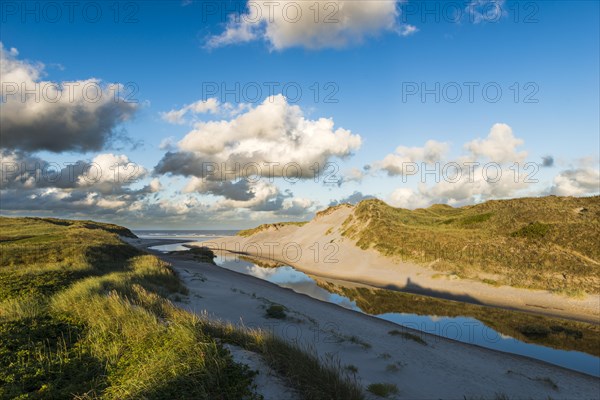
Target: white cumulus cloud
(311, 24)
(273, 139)
(177, 116)
(484, 172)
(581, 180)
(396, 163)
(56, 116)
(499, 146)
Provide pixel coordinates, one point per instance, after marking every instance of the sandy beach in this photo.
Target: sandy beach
(441, 369)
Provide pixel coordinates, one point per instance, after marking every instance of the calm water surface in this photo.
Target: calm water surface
(464, 329)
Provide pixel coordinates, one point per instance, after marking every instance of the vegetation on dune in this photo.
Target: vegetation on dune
(264, 227)
(84, 315)
(383, 389)
(313, 377)
(199, 254)
(543, 243)
(408, 335)
(17, 228)
(332, 209)
(276, 311)
(550, 332)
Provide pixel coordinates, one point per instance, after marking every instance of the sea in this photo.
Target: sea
(188, 234)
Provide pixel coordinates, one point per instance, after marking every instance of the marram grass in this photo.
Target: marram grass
(85, 316)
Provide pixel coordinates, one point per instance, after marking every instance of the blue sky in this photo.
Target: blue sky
(167, 51)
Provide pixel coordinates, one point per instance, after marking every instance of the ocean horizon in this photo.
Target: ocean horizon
(183, 233)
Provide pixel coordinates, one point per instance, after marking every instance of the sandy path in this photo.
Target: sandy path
(444, 369)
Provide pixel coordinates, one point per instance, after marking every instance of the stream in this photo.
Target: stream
(462, 328)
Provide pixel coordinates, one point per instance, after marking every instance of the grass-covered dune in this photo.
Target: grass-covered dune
(264, 227)
(84, 315)
(543, 243)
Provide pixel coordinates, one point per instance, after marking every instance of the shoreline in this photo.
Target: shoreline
(369, 267)
(533, 310)
(444, 368)
(495, 300)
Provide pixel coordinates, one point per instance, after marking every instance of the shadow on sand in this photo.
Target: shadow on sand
(414, 288)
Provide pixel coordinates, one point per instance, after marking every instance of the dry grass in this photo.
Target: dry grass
(543, 243)
(84, 315)
(383, 389)
(264, 227)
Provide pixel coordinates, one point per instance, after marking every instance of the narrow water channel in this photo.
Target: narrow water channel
(462, 328)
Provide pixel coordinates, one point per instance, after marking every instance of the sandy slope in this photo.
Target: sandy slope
(318, 248)
(443, 369)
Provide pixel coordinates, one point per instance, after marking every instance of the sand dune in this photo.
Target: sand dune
(318, 248)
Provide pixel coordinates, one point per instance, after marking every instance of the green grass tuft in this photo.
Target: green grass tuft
(383, 389)
(409, 336)
(276, 311)
(264, 227)
(534, 230)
